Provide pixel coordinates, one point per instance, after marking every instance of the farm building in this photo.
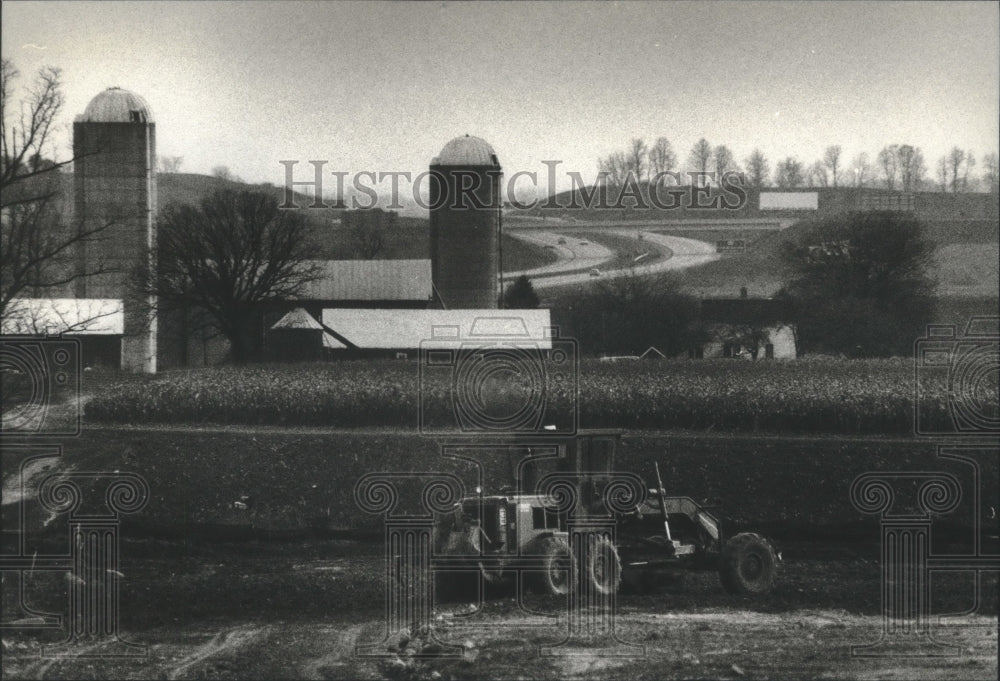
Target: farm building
(350, 284)
(114, 141)
(351, 333)
(465, 224)
(295, 337)
(751, 328)
(97, 323)
(114, 182)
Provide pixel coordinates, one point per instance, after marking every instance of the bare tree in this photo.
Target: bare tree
(228, 255)
(817, 176)
(37, 246)
(904, 165)
(968, 179)
(724, 161)
(613, 169)
(224, 173)
(942, 173)
(42, 317)
(789, 174)
(701, 156)
(370, 240)
(991, 172)
(368, 229)
(861, 169)
(956, 160)
(887, 163)
(171, 164)
(636, 158)
(918, 169)
(831, 159)
(662, 158)
(758, 171)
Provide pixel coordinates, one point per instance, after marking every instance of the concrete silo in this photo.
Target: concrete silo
(114, 187)
(465, 205)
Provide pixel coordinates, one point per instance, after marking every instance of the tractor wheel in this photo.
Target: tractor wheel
(558, 576)
(747, 565)
(601, 565)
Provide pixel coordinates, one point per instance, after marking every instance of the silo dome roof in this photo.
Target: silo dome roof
(466, 151)
(115, 105)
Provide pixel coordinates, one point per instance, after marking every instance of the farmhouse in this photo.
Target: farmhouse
(752, 328)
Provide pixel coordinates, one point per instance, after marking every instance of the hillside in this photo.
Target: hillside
(929, 206)
(965, 263)
(407, 240)
(966, 266)
(965, 227)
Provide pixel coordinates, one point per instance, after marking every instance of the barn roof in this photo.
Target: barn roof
(383, 329)
(53, 316)
(297, 319)
(370, 280)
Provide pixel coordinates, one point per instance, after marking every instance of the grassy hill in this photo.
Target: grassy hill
(408, 240)
(967, 269)
(929, 206)
(963, 226)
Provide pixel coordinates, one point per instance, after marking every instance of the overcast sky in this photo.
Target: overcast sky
(382, 87)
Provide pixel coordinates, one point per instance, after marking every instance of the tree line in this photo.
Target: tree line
(895, 167)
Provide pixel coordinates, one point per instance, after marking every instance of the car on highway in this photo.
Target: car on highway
(596, 272)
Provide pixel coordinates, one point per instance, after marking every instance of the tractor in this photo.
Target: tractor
(501, 535)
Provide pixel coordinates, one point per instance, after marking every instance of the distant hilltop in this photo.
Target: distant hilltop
(929, 206)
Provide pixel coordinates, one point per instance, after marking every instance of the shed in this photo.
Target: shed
(98, 323)
(402, 333)
(295, 337)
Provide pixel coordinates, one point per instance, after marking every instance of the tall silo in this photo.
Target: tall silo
(114, 186)
(465, 205)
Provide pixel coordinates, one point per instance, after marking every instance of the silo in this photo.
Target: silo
(465, 205)
(114, 187)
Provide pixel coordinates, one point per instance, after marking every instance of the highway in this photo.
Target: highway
(577, 259)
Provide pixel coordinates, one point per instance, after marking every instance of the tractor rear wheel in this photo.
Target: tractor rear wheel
(747, 564)
(558, 574)
(601, 565)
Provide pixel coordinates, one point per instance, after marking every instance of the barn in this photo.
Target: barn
(400, 334)
(97, 323)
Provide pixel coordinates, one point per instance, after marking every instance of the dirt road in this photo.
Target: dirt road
(294, 611)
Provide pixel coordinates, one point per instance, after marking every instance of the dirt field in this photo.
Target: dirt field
(299, 610)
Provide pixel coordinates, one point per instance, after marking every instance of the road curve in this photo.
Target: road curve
(575, 253)
(684, 253)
